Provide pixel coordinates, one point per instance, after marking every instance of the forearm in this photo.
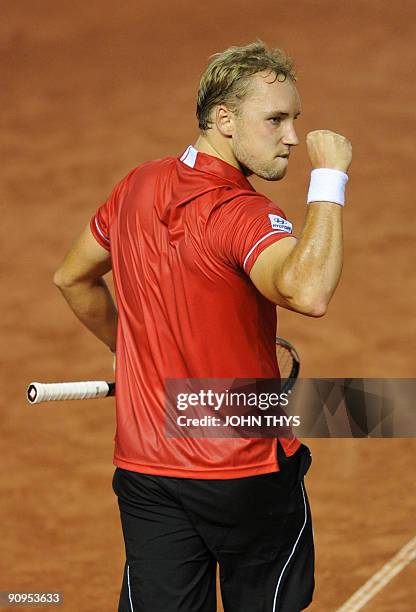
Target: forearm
(310, 274)
(92, 303)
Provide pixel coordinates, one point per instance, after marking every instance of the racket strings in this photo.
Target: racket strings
(284, 361)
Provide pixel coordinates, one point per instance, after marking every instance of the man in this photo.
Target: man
(199, 261)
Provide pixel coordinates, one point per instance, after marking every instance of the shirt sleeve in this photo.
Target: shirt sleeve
(101, 221)
(241, 229)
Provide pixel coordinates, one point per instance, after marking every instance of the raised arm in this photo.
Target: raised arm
(80, 281)
(302, 274)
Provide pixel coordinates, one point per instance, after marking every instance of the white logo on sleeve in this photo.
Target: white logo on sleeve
(278, 223)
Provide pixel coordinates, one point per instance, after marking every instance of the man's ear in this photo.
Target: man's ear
(224, 120)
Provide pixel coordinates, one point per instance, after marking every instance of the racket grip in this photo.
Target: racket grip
(47, 392)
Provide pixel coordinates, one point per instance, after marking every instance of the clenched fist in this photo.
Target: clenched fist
(329, 150)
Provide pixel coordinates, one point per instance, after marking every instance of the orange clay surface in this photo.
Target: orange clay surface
(89, 90)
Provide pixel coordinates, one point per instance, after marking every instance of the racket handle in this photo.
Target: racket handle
(48, 392)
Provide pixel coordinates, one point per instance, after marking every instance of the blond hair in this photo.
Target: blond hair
(227, 78)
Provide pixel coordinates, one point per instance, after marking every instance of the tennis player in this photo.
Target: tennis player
(200, 260)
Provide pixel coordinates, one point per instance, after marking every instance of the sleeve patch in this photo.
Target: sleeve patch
(280, 224)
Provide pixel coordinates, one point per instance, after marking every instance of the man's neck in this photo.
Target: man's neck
(209, 145)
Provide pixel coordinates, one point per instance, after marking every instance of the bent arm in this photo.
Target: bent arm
(79, 278)
(302, 275)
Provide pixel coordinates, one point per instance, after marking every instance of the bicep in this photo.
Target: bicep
(86, 260)
(265, 271)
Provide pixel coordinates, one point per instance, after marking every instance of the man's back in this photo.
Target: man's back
(183, 235)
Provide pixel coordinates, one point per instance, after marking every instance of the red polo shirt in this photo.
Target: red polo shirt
(184, 234)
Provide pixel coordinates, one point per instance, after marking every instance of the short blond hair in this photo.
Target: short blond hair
(227, 78)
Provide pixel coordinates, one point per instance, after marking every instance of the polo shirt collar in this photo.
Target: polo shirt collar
(213, 165)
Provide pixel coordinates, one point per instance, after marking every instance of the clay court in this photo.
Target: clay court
(89, 91)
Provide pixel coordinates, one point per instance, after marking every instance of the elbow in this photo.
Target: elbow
(311, 307)
(57, 279)
(61, 280)
(315, 309)
(303, 295)
(306, 302)
(65, 280)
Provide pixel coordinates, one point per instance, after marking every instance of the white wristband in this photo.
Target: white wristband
(327, 185)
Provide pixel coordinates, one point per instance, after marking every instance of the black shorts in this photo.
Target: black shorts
(176, 530)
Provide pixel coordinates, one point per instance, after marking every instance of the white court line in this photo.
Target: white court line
(406, 555)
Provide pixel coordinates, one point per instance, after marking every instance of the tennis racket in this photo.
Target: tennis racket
(288, 362)
(88, 389)
(287, 358)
